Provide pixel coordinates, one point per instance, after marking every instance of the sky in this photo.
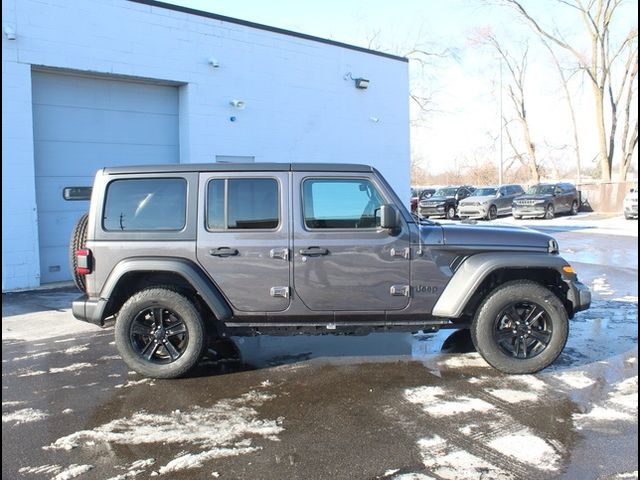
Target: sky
(463, 124)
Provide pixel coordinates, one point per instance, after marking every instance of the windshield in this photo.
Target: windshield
(445, 192)
(541, 190)
(485, 192)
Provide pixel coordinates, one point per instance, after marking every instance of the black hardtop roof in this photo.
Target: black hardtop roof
(238, 167)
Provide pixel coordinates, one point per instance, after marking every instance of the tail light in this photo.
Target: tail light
(83, 262)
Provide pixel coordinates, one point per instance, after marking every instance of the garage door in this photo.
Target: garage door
(82, 124)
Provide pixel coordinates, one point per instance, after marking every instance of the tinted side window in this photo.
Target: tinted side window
(243, 204)
(340, 203)
(145, 204)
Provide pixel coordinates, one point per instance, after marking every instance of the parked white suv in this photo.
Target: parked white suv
(631, 204)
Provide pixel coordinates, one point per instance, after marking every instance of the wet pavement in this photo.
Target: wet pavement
(382, 406)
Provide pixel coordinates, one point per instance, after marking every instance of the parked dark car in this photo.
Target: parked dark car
(489, 202)
(417, 194)
(444, 202)
(546, 200)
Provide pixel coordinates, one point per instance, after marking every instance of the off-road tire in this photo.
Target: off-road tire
(168, 299)
(482, 326)
(450, 212)
(575, 207)
(78, 241)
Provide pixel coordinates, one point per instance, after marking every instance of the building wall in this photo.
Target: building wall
(299, 105)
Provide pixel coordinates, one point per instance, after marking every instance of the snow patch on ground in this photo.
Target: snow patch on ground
(225, 429)
(626, 299)
(72, 368)
(13, 403)
(530, 381)
(621, 405)
(77, 349)
(142, 463)
(30, 373)
(41, 469)
(31, 356)
(467, 360)
(575, 379)
(437, 402)
(449, 462)
(26, 415)
(72, 471)
(413, 476)
(529, 448)
(602, 286)
(513, 396)
(132, 383)
(67, 410)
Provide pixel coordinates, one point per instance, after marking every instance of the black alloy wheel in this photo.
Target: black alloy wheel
(159, 335)
(523, 330)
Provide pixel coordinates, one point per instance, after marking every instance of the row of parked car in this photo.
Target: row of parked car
(467, 202)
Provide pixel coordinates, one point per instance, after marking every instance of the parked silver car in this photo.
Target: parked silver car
(489, 202)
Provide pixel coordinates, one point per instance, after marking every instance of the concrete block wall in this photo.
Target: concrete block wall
(299, 106)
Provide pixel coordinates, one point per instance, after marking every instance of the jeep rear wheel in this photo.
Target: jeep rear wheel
(521, 327)
(78, 242)
(160, 333)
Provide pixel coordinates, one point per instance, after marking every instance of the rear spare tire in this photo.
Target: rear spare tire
(78, 241)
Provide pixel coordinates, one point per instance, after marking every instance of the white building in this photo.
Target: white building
(114, 82)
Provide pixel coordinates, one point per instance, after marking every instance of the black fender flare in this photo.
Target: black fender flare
(473, 271)
(187, 269)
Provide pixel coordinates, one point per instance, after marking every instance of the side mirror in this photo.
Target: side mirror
(389, 216)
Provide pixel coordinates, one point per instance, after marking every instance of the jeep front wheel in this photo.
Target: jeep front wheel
(160, 333)
(521, 327)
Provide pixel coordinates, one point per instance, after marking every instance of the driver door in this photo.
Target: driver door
(341, 260)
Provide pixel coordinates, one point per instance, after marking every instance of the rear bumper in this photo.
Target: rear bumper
(89, 310)
(579, 295)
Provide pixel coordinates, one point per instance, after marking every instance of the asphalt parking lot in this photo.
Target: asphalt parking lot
(383, 406)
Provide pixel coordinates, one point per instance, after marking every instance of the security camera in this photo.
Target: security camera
(239, 104)
(214, 62)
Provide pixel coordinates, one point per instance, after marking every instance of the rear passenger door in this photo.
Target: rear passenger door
(243, 237)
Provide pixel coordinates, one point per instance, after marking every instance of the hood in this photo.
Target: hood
(533, 197)
(478, 199)
(489, 237)
(435, 199)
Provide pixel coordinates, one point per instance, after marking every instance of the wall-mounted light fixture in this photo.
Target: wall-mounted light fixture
(9, 32)
(374, 119)
(213, 61)
(238, 104)
(361, 83)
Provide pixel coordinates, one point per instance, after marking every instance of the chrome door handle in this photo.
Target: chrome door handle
(223, 252)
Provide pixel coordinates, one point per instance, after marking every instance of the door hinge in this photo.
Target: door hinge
(282, 292)
(401, 252)
(282, 253)
(400, 290)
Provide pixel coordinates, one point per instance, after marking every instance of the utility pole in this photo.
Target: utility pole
(500, 173)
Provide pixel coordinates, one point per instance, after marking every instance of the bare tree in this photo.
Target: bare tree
(597, 16)
(564, 80)
(517, 69)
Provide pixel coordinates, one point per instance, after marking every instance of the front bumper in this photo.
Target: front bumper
(429, 211)
(472, 211)
(89, 310)
(631, 210)
(529, 210)
(579, 295)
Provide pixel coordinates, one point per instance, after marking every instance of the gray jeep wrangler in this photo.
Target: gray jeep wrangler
(179, 255)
